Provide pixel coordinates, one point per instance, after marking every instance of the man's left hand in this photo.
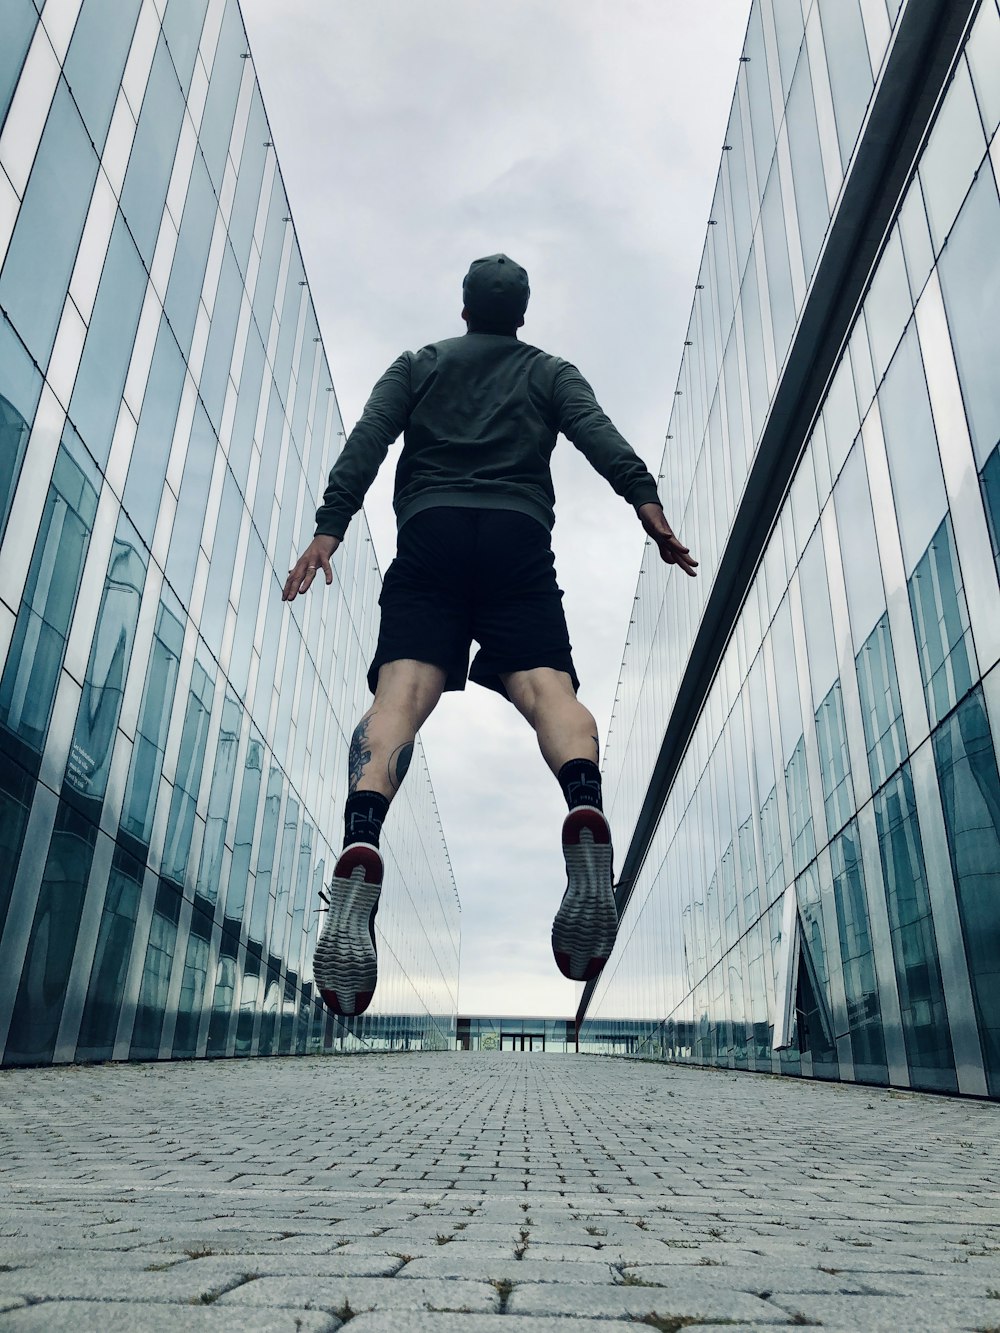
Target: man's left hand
(315, 557)
(672, 550)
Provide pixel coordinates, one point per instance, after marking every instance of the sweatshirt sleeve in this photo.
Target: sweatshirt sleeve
(585, 425)
(386, 414)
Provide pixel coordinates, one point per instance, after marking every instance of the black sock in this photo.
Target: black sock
(580, 780)
(363, 816)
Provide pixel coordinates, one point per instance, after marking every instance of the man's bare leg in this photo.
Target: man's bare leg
(564, 726)
(583, 932)
(345, 964)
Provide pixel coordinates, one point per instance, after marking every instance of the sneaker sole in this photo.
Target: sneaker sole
(345, 964)
(585, 927)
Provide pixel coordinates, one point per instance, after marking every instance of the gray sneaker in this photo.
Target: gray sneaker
(345, 964)
(584, 929)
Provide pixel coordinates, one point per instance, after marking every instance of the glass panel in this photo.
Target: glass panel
(104, 683)
(155, 433)
(813, 997)
(952, 156)
(17, 788)
(151, 161)
(788, 28)
(96, 60)
(970, 792)
(20, 18)
(219, 353)
(28, 685)
(793, 748)
(239, 872)
(941, 622)
(916, 237)
(20, 387)
(754, 343)
(219, 799)
(191, 255)
(739, 191)
(42, 250)
(227, 72)
(106, 353)
(779, 278)
(187, 779)
(156, 974)
(154, 722)
(220, 576)
(758, 90)
(851, 79)
(193, 980)
(970, 281)
(914, 943)
(244, 211)
(857, 956)
(983, 52)
(189, 518)
(52, 943)
(840, 415)
(182, 24)
(111, 959)
(807, 162)
(887, 306)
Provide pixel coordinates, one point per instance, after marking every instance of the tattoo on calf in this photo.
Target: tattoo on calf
(597, 749)
(360, 754)
(399, 763)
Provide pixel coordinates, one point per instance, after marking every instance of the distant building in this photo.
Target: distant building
(801, 769)
(172, 737)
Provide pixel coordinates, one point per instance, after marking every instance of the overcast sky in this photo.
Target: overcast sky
(581, 137)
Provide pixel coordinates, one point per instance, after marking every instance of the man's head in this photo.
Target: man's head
(496, 294)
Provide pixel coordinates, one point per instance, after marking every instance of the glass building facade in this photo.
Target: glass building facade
(801, 770)
(172, 736)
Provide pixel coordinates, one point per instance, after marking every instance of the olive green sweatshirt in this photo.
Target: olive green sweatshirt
(479, 415)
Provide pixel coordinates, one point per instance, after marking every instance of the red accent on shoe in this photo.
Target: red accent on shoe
(361, 1002)
(360, 854)
(585, 817)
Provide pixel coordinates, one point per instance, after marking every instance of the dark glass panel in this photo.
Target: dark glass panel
(89, 759)
(246, 819)
(914, 943)
(219, 800)
(38, 1007)
(187, 777)
(17, 787)
(154, 721)
(864, 1014)
(20, 387)
(941, 624)
(265, 855)
(970, 792)
(102, 1008)
(155, 984)
(42, 250)
(191, 1000)
(28, 685)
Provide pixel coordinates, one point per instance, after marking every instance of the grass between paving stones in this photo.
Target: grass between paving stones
(673, 1323)
(504, 1287)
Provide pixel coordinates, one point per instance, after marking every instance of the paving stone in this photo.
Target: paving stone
(683, 1298)
(79, 1281)
(365, 1294)
(506, 1270)
(100, 1317)
(488, 1323)
(889, 1314)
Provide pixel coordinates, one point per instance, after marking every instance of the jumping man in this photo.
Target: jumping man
(479, 415)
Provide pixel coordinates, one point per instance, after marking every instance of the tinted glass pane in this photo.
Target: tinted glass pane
(739, 191)
(219, 354)
(970, 791)
(192, 993)
(227, 71)
(156, 974)
(189, 519)
(983, 52)
(145, 190)
(17, 788)
(154, 722)
(850, 70)
(243, 834)
(779, 278)
(187, 777)
(106, 353)
(191, 255)
(20, 386)
(941, 623)
(911, 444)
(953, 153)
(96, 60)
(761, 119)
(914, 942)
(840, 415)
(28, 685)
(251, 170)
(44, 977)
(111, 959)
(754, 342)
(857, 956)
(104, 683)
(219, 799)
(155, 433)
(807, 162)
(788, 29)
(19, 20)
(182, 25)
(887, 306)
(42, 250)
(970, 281)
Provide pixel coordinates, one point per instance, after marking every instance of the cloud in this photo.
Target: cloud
(583, 138)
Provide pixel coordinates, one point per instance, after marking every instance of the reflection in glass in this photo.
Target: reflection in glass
(192, 992)
(155, 433)
(104, 682)
(111, 959)
(20, 386)
(155, 984)
(914, 943)
(28, 685)
(970, 793)
(941, 623)
(187, 778)
(219, 799)
(864, 1014)
(154, 722)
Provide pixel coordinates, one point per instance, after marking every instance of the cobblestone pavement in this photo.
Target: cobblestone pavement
(472, 1193)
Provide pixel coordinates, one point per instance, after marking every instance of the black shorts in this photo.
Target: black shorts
(464, 574)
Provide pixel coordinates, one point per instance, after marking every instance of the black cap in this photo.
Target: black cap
(496, 291)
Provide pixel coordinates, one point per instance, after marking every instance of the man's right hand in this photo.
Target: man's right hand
(672, 551)
(316, 556)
